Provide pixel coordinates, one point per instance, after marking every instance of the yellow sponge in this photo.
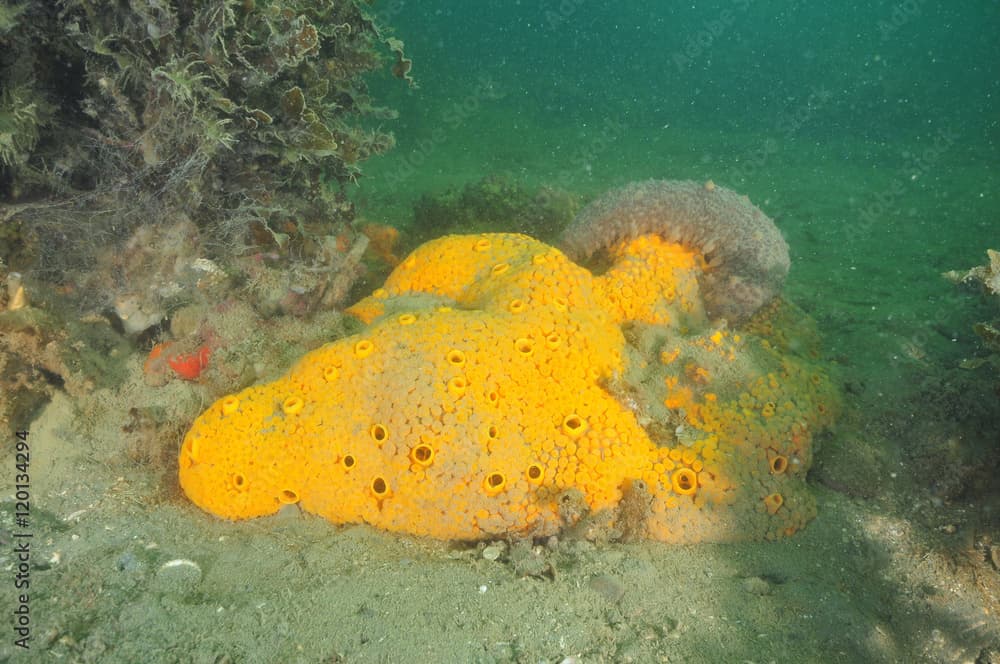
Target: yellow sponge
(494, 376)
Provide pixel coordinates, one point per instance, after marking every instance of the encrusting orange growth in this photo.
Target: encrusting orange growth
(495, 375)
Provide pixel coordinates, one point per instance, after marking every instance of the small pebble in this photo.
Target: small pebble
(755, 585)
(49, 637)
(127, 562)
(494, 551)
(608, 587)
(179, 576)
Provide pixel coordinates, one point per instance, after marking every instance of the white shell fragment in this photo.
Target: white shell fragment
(494, 551)
(178, 576)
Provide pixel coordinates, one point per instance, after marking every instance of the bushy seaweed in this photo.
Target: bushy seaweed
(245, 116)
(494, 204)
(985, 278)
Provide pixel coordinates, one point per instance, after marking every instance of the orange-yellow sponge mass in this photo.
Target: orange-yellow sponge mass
(499, 388)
